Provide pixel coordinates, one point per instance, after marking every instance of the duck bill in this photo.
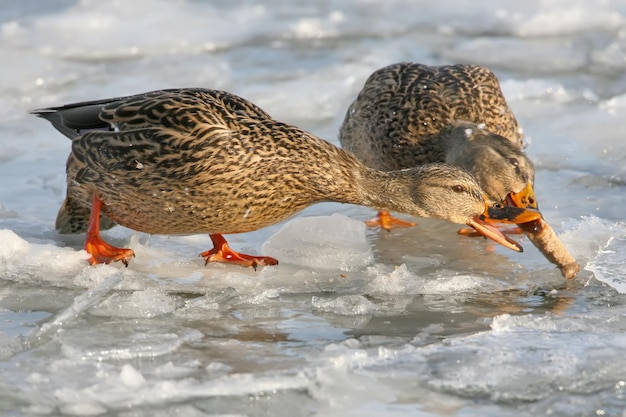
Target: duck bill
(524, 199)
(509, 214)
(494, 234)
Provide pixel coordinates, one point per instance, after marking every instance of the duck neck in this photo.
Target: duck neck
(390, 190)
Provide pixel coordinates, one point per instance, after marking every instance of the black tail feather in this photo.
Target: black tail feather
(74, 121)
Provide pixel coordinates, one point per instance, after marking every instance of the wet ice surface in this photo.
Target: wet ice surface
(353, 321)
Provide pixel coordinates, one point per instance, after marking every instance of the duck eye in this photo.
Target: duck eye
(497, 205)
(514, 162)
(458, 188)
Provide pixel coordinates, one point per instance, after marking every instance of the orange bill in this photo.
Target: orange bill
(524, 199)
(497, 213)
(493, 233)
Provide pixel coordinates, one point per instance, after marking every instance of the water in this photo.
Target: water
(417, 322)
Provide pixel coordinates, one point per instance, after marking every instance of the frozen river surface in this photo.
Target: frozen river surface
(353, 322)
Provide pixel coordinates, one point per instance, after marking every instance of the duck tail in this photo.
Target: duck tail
(74, 119)
(73, 218)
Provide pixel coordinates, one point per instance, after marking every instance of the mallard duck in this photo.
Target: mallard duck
(410, 114)
(188, 161)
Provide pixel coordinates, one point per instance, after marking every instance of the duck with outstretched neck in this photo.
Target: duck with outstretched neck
(188, 161)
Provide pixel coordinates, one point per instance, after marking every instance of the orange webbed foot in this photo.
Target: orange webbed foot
(102, 252)
(221, 252)
(386, 221)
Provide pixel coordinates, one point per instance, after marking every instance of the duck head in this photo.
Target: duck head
(451, 193)
(504, 172)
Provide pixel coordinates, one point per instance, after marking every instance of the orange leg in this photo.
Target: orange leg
(221, 252)
(468, 231)
(101, 252)
(387, 221)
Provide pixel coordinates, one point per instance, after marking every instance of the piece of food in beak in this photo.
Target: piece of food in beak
(525, 198)
(496, 213)
(509, 214)
(502, 214)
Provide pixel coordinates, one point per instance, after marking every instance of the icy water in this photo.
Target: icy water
(353, 322)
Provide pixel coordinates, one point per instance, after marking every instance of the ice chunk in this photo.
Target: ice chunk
(585, 236)
(114, 341)
(20, 259)
(150, 302)
(9, 346)
(80, 304)
(322, 242)
(347, 305)
(131, 377)
(12, 245)
(399, 281)
(507, 322)
(402, 281)
(608, 266)
(456, 283)
(171, 371)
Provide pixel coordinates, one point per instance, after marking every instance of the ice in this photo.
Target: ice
(321, 242)
(614, 103)
(150, 302)
(131, 378)
(552, 54)
(538, 19)
(402, 281)
(138, 342)
(80, 408)
(346, 305)
(398, 281)
(171, 371)
(80, 304)
(112, 389)
(354, 321)
(584, 237)
(609, 56)
(19, 258)
(607, 266)
(570, 20)
(537, 90)
(9, 345)
(485, 365)
(12, 246)
(107, 20)
(319, 28)
(506, 322)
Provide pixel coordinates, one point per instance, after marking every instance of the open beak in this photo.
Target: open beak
(494, 234)
(525, 198)
(509, 214)
(496, 213)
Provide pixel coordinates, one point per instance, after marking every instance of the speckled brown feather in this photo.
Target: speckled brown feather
(204, 161)
(406, 115)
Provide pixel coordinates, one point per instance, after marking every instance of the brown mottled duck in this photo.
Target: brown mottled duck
(410, 114)
(187, 161)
